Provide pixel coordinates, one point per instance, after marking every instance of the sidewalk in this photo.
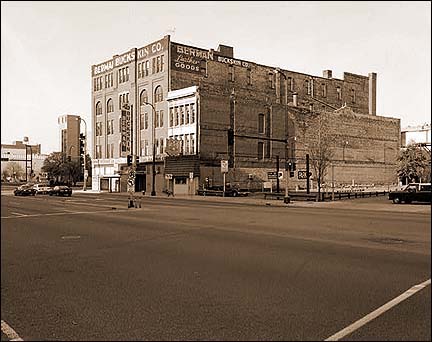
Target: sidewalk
(348, 204)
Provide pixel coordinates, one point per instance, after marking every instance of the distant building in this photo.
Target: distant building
(27, 159)
(69, 126)
(420, 134)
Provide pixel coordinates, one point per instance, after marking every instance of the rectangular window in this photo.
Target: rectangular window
(141, 121)
(339, 93)
(161, 145)
(145, 120)
(268, 149)
(290, 84)
(260, 151)
(261, 123)
(157, 119)
(98, 151)
(324, 90)
(127, 74)
(153, 65)
(182, 115)
(171, 117)
(249, 76)
(308, 87)
(140, 73)
(187, 114)
(353, 96)
(271, 80)
(161, 118)
(192, 113)
(147, 68)
(192, 144)
(186, 139)
(231, 73)
(161, 63)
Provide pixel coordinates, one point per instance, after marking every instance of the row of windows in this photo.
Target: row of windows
(123, 73)
(159, 119)
(182, 115)
(124, 98)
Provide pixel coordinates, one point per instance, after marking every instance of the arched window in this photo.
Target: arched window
(110, 106)
(158, 94)
(98, 108)
(143, 97)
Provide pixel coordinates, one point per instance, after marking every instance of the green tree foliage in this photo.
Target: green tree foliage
(414, 164)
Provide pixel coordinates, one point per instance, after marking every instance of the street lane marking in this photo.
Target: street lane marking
(9, 332)
(68, 213)
(19, 214)
(374, 314)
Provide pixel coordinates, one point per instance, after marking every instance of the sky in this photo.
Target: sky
(48, 48)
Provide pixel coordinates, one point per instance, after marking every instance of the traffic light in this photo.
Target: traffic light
(293, 166)
(290, 166)
(291, 174)
(129, 160)
(82, 143)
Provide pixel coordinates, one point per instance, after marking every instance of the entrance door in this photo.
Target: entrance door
(140, 183)
(180, 186)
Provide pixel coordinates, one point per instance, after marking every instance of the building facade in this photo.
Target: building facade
(192, 108)
(22, 161)
(419, 134)
(69, 133)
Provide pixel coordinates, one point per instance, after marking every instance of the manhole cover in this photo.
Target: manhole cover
(71, 237)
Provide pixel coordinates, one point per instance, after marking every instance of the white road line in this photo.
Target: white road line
(68, 213)
(374, 314)
(19, 214)
(9, 332)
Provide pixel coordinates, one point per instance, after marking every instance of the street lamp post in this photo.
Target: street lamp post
(153, 192)
(31, 161)
(286, 198)
(84, 154)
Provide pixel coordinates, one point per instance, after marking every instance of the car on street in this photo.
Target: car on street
(42, 188)
(413, 192)
(25, 190)
(61, 190)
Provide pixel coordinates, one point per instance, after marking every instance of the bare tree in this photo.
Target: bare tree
(321, 150)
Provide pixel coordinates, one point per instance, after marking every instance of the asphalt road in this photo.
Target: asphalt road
(88, 268)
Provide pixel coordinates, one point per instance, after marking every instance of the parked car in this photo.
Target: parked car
(413, 192)
(217, 190)
(61, 190)
(42, 188)
(25, 190)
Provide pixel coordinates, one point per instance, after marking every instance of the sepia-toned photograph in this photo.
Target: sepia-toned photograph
(216, 171)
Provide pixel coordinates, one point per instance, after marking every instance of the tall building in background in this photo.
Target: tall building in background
(420, 134)
(69, 126)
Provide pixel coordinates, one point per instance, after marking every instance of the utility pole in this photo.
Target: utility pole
(277, 173)
(307, 175)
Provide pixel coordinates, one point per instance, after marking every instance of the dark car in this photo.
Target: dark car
(413, 192)
(61, 190)
(25, 190)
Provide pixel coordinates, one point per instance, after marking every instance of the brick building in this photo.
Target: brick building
(69, 127)
(207, 106)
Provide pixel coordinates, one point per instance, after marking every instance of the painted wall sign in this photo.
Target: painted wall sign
(128, 57)
(190, 59)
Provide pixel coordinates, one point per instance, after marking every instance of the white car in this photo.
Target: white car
(42, 188)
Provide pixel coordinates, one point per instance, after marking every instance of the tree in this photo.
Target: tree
(414, 164)
(13, 170)
(54, 166)
(321, 151)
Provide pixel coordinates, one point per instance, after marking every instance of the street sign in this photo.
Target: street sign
(303, 175)
(272, 175)
(224, 166)
(280, 174)
(168, 176)
(191, 175)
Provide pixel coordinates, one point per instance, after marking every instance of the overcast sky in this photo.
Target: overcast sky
(47, 49)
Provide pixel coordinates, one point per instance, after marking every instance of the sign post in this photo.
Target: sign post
(224, 170)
